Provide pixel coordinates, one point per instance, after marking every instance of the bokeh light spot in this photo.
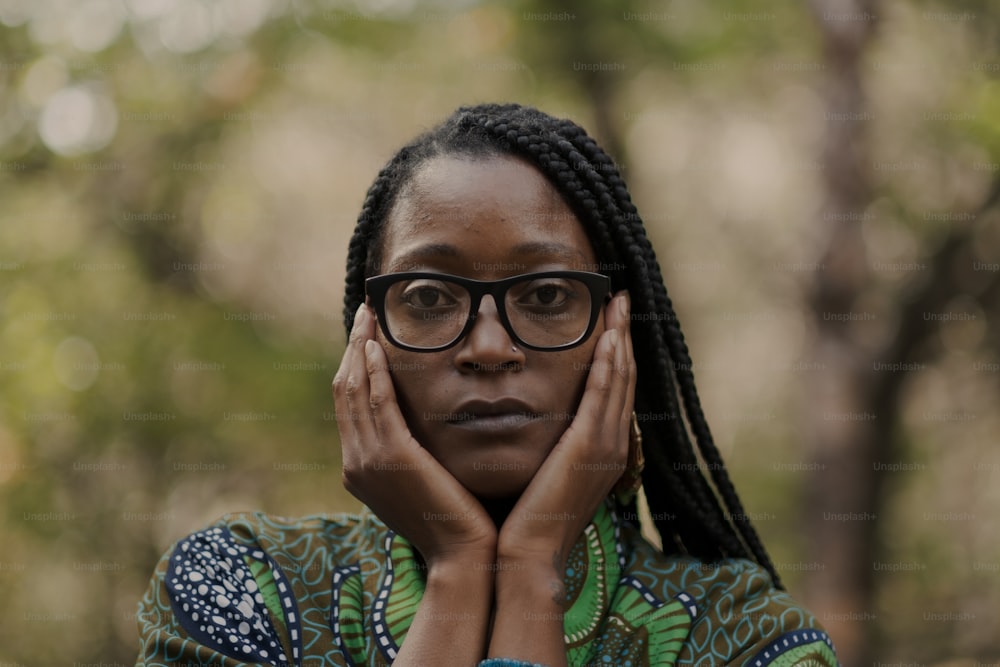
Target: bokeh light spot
(96, 24)
(188, 28)
(76, 363)
(46, 75)
(78, 119)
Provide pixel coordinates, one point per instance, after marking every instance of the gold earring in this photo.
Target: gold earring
(628, 484)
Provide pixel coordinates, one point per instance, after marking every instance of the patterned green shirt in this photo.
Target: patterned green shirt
(341, 591)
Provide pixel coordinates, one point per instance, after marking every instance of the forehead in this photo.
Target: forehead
(479, 210)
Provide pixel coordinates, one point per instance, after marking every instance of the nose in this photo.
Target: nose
(488, 346)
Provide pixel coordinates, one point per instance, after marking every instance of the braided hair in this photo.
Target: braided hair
(691, 516)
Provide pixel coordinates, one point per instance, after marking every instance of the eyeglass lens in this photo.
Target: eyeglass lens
(543, 312)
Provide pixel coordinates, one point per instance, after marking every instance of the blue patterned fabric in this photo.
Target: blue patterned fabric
(342, 591)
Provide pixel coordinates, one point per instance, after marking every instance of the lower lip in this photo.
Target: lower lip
(496, 424)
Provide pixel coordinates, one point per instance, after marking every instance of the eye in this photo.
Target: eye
(428, 294)
(547, 294)
(550, 293)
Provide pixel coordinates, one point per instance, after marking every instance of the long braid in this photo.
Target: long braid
(563, 169)
(685, 508)
(600, 208)
(613, 208)
(683, 368)
(689, 393)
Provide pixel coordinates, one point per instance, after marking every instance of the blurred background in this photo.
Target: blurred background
(179, 179)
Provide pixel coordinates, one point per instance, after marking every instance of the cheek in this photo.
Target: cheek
(581, 360)
(398, 361)
(410, 372)
(572, 373)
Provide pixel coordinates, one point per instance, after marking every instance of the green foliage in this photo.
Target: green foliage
(169, 290)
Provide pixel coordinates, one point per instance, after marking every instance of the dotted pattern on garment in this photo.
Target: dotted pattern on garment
(646, 594)
(790, 647)
(216, 600)
(380, 627)
(338, 578)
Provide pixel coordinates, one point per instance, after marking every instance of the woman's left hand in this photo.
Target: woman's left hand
(536, 538)
(585, 464)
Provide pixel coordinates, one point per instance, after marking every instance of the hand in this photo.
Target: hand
(577, 475)
(587, 461)
(390, 472)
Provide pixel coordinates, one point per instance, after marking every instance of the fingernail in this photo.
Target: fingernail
(624, 305)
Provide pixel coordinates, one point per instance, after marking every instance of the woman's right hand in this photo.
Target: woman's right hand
(387, 469)
(390, 472)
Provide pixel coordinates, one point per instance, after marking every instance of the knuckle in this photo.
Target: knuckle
(602, 383)
(356, 337)
(351, 385)
(378, 400)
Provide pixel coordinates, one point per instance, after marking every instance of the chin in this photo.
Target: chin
(496, 481)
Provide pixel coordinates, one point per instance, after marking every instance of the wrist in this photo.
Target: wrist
(462, 569)
(535, 559)
(454, 555)
(529, 617)
(530, 583)
(548, 544)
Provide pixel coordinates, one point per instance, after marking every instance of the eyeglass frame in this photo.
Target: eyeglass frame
(599, 286)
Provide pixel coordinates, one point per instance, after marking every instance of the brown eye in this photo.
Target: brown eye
(545, 294)
(427, 297)
(428, 294)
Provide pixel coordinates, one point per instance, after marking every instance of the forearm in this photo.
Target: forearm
(529, 614)
(453, 618)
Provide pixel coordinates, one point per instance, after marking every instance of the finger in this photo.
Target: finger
(616, 396)
(350, 388)
(339, 386)
(387, 419)
(357, 391)
(633, 370)
(593, 408)
(623, 386)
(616, 413)
(362, 331)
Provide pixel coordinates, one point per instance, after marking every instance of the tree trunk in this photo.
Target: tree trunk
(845, 436)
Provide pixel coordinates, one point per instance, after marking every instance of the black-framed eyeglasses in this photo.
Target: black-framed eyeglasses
(428, 312)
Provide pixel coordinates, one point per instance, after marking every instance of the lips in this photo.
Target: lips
(505, 414)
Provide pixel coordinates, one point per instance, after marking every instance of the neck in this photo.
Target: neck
(498, 509)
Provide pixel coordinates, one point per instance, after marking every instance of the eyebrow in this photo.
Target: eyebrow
(421, 254)
(549, 250)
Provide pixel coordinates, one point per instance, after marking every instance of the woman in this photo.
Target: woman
(500, 287)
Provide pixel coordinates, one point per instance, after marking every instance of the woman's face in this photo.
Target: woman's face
(486, 218)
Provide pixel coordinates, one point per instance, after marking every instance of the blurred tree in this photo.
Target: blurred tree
(857, 405)
(177, 179)
(847, 430)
